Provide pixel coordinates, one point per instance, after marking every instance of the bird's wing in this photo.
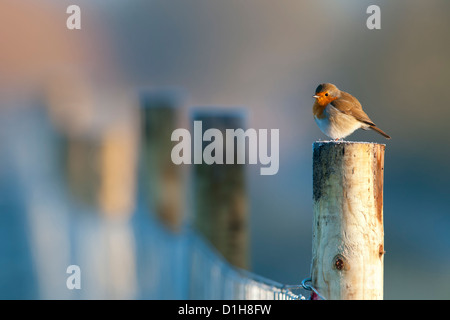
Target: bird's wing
(349, 105)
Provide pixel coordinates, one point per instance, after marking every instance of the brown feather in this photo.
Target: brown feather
(376, 129)
(349, 105)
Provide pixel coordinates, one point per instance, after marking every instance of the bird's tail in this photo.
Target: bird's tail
(376, 129)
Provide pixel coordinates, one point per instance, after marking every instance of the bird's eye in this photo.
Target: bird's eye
(326, 94)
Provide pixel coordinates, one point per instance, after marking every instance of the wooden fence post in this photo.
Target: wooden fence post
(101, 170)
(220, 195)
(162, 178)
(348, 237)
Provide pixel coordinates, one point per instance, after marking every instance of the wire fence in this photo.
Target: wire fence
(185, 266)
(44, 230)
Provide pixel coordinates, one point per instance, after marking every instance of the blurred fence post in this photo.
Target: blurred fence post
(220, 196)
(101, 169)
(348, 236)
(162, 178)
(117, 166)
(82, 163)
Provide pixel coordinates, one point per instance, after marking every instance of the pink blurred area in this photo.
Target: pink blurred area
(37, 48)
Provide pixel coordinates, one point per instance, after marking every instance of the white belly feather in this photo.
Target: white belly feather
(337, 125)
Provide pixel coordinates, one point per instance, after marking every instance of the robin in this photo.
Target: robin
(338, 114)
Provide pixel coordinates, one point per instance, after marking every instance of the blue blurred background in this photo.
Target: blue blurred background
(263, 55)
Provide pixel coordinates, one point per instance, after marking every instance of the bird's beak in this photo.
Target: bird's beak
(315, 96)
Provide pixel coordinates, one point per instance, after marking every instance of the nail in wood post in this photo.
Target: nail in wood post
(162, 178)
(220, 193)
(348, 236)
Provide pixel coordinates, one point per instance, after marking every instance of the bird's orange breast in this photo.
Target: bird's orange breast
(320, 104)
(318, 110)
